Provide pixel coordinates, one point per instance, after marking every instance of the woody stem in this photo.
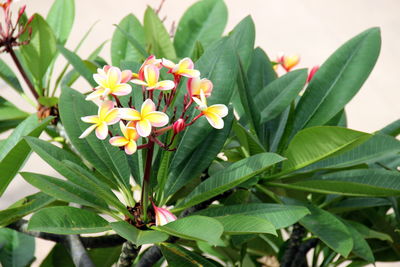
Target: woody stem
(144, 201)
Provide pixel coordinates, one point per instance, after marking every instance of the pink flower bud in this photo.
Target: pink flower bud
(21, 11)
(312, 72)
(30, 19)
(179, 126)
(163, 216)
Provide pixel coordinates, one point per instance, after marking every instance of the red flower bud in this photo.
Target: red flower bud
(312, 72)
(179, 126)
(30, 19)
(21, 11)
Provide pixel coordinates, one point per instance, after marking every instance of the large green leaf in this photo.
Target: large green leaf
(40, 51)
(203, 22)
(230, 177)
(361, 247)
(9, 77)
(358, 203)
(157, 37)
(198, 228)
(67, 221)
(338, 80)
(136, 236)
(177, 256)
(279, 215)
(65, 190)
(393, 129)
(121, 49)
(16, 249)
(24, 207)
(243, 37)
(273, 99)
(316, 143)
(238, 224)
(61, 18)
(14, 151)
(107, 159)
(9, 112)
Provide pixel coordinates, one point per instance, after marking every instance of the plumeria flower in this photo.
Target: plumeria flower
(288, 62)
(147, 118)
(150, 80)
(214, 113)
(163, 216)
(185, 67)
(196, 85)
(107, 115)
(128, 140)
(151, 60)
(111, 81)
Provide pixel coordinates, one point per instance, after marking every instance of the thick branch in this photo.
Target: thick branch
(77, 251)
(301, 257)
(128, 254)
(294, 242)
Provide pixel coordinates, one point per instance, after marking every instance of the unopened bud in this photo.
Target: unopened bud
(30, 19)
(179, 126)
(21, 11)
(312, 72)
(163, 216)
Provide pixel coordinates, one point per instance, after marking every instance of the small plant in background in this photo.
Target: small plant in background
(191, 151)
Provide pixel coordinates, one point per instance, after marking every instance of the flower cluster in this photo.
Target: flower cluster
(158, 98)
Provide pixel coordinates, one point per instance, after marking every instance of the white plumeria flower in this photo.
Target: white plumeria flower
(214, 113)
(128, 140)
(185, 67)
(150, 79)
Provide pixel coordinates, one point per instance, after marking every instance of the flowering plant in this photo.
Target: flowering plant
(190, 149)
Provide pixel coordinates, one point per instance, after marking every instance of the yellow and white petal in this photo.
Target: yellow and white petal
(121, 89)
(219, 109)
(151, 74)
(147, 107)
(203, 97)
(130, 147)
(104, 108)
(118, 141)
(113, 76)
(131, 133)
(102, 72)
(126, 76)
(168, 63)
(214, 120)
(102, 131)
(139, 82)
(88, 131)
(164, 85)
(91, 119)
(202, 106)
(129, 114)
(157, 118)
(100, 80)
(186, 63)
(143, 127)
(95, 94)
(189, 73)
(112, 116)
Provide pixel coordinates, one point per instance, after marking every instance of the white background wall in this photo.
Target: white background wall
(311, 28)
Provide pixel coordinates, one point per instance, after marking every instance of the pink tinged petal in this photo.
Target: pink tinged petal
(163, 216)
(139, 82)
(143, 127)
(157, 118)
(113, 76)
(100, 80)
(186, 63)
(104, 108)
(102, 131)
(168, 63)
(122, 89)
(147, 107)
(126, 76)
(88, 131)
(132, 134)
(106, 68)
(219, 109)
(164, 85)
(112, 117)
(102, 72)
(131, 124)
(91, 119)
(95, 94)
(189, 73)
(193, 86)
(214, 120)
(130, 147)
(207, 86)
(151, 74)
(118, 141)
(129, 114)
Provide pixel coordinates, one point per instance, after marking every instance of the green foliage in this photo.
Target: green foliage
(16, 249)
(137, 236)
(61, 18)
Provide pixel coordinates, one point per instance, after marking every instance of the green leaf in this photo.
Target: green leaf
(280, 216)
(204, 21)
(338, 80)
(238, 224)
(108, 160)
(67, 221)
(198, 228)
(58, 256)
(369, 233)
(48, 101)
(273, 99)
(16, 249)
(358, 203)
(230, 177)
(361, 247)
(136, 236)
(393, 129)
(41, 50)
(9, 77)
(61, 18)
(243, 37)
(121, 49)
(24, 207)
(78, 64)
(157, 36)
(10, 112)
(247, 140)
(14, 151)
(316, 143)
(177, 256)
(64, 190)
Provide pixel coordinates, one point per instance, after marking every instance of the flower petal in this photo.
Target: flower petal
(104, 108)
(130, 147)
(126, 76)
(102, 131)
(147, 107)
(95, 94)
(100, 80)
(143, 127)
(198, 102)
(91, 119)
(207, 87)
(186, 63)
(189, 73)
(118, 141)
(151, 74)
(214, 120)
(219, 109)
(88, 131)
(164, 85)
(132, 133)
(157, 118)
(113, 76)
(112, 116)
(139, 82)
(129, 114)
(168, 63)
(121, 89)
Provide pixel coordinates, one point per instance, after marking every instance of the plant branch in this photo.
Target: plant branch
(294, 243)
(128, 254)
(78, 253)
